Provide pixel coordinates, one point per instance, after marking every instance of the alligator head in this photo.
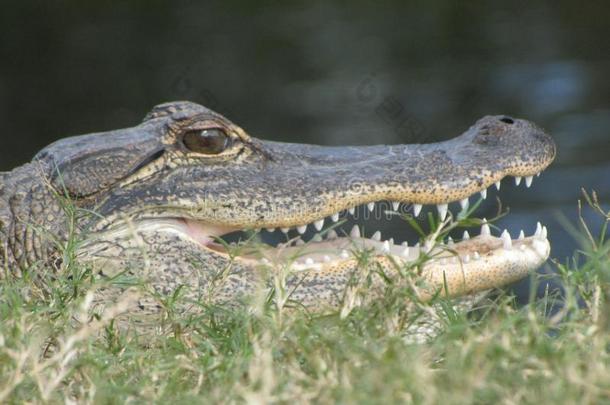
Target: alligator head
(166, 191)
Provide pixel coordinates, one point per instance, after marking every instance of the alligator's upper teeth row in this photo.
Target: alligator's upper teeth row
(541, 231)
(442, 209)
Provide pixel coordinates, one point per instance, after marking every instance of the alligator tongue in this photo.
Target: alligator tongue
(205, 234)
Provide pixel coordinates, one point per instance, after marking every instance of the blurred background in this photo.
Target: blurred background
(328, 73)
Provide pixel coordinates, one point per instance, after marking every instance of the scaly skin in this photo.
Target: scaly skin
(159, 207)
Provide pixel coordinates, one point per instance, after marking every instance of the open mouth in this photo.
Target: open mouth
(334, 239)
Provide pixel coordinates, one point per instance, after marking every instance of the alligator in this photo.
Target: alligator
(164, 193)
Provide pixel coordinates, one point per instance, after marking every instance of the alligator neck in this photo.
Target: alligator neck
(29, 215)
(6, 256)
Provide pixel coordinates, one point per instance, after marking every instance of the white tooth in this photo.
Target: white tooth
(391, 240)
(528, 181)
(326, 259)
(484, 194)
(371, 206)
(376, 236)
(405, 244)
(464, 203)
(507, 243)
(317, 238)
(351, 210)
(443, 261)
(270, 229)
(335, 217)
(498, 183)
(544, 232)
(442, 211)
(538, 174)
(476, 256)
(416, 209)
(466, 259)
(385, 248)
(466, 235)
(332, 234)
(405, 251)
(344, 254)
(319, 224)
(485, 231)
(299, 242)
(285, 230)
(302, 229)
(395, 205)
(521, 234)
(538, 229)
(522, 247)
(450, 241)
(416, 245)
(518, 180)
(355, 232)
(309, 261)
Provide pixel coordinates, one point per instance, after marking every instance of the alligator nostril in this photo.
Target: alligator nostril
(507, 120)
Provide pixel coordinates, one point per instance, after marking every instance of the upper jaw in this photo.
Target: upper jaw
(291, 185)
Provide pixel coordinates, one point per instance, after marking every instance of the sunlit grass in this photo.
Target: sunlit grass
(52, 348)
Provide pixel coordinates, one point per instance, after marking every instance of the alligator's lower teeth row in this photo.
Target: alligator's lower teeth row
(442, 209)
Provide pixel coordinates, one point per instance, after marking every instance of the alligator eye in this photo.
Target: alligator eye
(208, 141)
(507, 120)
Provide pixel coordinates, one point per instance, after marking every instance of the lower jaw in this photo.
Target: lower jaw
(454, 269)
(458, 268)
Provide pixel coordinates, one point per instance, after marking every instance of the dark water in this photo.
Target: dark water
(323, 73)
